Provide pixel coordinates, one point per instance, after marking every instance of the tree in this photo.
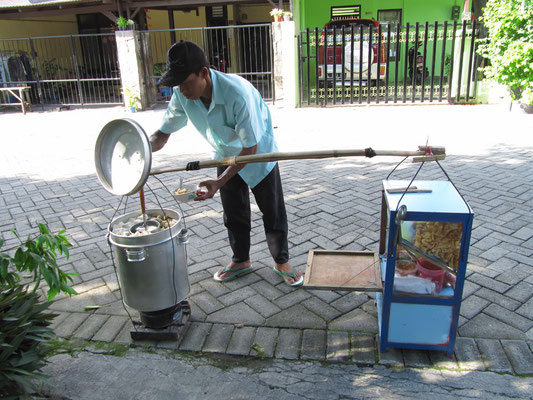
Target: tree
(509, 45)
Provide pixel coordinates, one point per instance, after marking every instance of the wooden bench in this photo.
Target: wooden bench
(22, 93)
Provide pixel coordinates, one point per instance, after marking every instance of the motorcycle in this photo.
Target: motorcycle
(417, 67)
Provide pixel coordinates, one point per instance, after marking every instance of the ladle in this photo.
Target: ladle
(145, 226)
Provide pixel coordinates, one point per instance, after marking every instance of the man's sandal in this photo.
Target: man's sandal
(235, 273)
(292, 274)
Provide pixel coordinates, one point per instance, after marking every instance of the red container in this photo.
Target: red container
(430, 271)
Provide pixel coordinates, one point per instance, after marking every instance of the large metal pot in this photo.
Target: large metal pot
(152, 269)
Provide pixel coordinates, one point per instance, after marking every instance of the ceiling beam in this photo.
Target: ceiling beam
(53, 12)
(81, 8)
(136, 12)
(109, 15)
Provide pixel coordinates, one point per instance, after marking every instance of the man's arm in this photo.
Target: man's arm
(213, 185)
(158, 140)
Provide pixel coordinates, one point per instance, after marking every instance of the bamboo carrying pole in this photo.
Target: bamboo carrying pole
(306, 155)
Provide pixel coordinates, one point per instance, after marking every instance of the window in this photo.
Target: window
(393, 17)
(339, 13)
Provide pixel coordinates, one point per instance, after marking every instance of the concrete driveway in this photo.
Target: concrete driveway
(47, 175)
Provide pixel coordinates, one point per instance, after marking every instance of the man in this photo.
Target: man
(231, 115)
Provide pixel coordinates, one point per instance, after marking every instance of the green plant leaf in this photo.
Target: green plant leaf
(52, 293)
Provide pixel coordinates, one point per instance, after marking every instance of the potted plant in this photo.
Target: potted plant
(125, 23)
(526, 101)
(287, 15)
(277, 14)
(132, 99)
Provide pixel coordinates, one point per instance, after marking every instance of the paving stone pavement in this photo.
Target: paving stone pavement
(47, 175)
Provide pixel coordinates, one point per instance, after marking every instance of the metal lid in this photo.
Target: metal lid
(123, 157)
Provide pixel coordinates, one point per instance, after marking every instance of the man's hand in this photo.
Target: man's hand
(158, 140)
(212, 187)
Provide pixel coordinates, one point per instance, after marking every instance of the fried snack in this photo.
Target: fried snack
(440, 239)
(181, 191)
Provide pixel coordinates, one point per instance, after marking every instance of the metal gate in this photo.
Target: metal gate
(245, 50)
(388, 63)
(63, 70)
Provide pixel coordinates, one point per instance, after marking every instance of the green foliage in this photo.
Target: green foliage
(24, 333)
(132, 98)
(50, 68)
(509, 46)
(159, 69)
(38, 256)
(124, 23)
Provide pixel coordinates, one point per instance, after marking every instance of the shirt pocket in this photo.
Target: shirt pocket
(226, 137)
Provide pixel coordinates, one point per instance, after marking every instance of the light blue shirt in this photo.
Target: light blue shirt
(237, 118)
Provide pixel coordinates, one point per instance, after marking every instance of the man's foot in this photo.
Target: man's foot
(232, 271)
(290, 275)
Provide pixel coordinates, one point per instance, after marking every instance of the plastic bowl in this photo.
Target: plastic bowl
(188, 194)
(429, 271)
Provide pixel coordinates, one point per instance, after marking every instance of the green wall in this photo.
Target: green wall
(315, 13)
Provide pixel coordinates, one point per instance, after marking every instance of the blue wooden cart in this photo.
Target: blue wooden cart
(429, 223)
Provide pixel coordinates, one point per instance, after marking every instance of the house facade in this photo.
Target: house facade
(237, 35)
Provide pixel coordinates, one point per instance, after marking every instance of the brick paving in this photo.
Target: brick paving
(47, 175)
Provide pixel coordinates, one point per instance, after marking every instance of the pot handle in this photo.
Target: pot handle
(136, 255)
(183, 237)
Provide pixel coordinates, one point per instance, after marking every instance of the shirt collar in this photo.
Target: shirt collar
(218, 97)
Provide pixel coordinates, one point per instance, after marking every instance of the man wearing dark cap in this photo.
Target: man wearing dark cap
(231, 115)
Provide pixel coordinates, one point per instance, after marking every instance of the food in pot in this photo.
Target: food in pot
(124, 228)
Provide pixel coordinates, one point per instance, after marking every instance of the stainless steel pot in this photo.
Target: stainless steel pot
(152, 268)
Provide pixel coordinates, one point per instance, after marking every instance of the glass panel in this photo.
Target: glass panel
(427, 258)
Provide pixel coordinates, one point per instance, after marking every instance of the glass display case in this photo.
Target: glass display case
(424, 241)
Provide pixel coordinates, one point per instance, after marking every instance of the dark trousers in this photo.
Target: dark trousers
(268, 194)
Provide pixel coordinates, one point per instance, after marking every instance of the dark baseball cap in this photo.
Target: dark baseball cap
(183, 59)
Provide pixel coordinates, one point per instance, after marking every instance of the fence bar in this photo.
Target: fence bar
(450, 74)
(308, 53)
(475, 65)
(470, 61)
(76, 69)
(369, 59)
(379, 64)
(325, 67)
(443, 57)
(300, 72)
(343, 63)
(352, 40)
(271, 48)
(37, 74)
(317, 79)
(397, 63)
(387, 65)
(361, 32)
(333, 75)
(424, 57)
(404, 96)
(435, 32)
(413, 62)
(461, 59)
